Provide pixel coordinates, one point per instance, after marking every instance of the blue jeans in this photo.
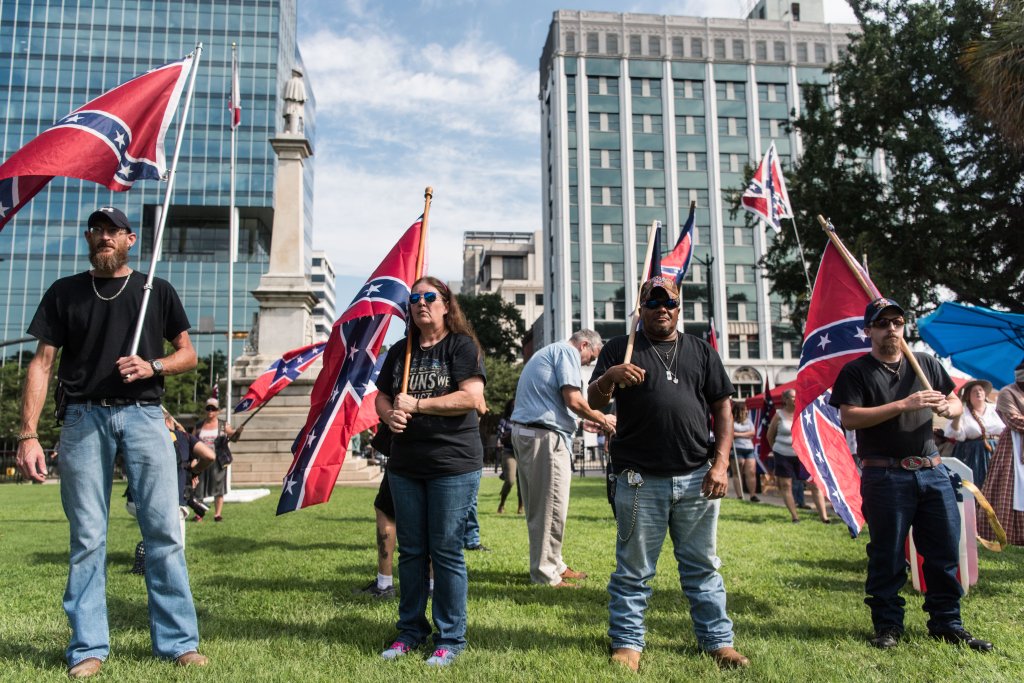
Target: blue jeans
(661, 504)
(893, 500)
(430, 523)
(91, 437)
(471, 538)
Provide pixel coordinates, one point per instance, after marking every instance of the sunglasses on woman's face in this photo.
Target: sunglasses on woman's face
(429, 297)
(654, 304)
(210, 409)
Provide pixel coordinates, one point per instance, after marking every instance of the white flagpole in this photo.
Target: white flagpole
(162, 218)
(233, 231)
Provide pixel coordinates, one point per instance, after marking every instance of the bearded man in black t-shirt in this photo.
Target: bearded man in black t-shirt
(903, 482)
(113, 404)
(669, 475)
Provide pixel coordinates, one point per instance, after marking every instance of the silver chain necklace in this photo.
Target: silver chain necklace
(671, 360)
(104, 298)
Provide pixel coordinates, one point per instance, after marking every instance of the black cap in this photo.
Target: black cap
(876, 307)
(114, 216)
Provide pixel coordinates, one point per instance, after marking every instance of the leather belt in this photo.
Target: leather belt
(535, 425)
(912, 463)
(113, 402)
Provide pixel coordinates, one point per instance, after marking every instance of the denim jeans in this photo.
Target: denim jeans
(893, 500)
(91, 437)
(430, 523)
(644, 513)
(471, 538)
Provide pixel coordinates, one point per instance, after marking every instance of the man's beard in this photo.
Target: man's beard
(108, 262)
(890, 346)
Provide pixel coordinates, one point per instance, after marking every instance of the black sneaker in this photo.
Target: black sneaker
(140, 559)
(960, 636)
(886, 638)
(478, 547)
(374, 591)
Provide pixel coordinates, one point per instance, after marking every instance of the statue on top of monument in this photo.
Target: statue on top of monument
(294, 103)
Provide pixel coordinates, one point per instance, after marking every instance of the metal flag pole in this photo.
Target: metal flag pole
(803, 261)
(162, 219)
(232, 235)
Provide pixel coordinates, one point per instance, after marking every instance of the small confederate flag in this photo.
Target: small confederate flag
(677, 262)
(114, 140)
(766, 195)
(278, 375)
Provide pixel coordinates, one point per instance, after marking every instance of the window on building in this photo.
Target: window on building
(730, 90)
(593, 42)
(780, 51)
(654, 46)
(635, 45)
(801, 53)
(645, 87)
(570, 42)
(538, 299)
(819, 53)
(574, 192)
(677, 47)
(611, 43)
(794, 10)
(719, 44)
(520, 299)
(572, 122)
(734, 345)
(753, 346)
(696, 47)
(761, 51)
(732, 311)
(738, 49)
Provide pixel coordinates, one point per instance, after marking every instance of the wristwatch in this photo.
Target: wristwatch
(158, 367)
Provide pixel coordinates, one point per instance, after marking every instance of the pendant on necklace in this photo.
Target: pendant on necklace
(670, 377)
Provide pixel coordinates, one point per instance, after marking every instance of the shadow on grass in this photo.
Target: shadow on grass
(239, 545)
(13, 651)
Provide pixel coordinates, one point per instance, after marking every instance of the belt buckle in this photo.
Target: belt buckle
(106, 403)
(914, 462)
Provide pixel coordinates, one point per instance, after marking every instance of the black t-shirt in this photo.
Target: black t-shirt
(92, 334)
(662, 426)
(866, 383)
(435, 445)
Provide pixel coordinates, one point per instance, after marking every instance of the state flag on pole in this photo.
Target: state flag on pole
(677, 262)
(351, 364)
(114, 140)
(710, 336)
(834, 337)
(235, 103)
(278, 375)
(766, 195)
(764, 421)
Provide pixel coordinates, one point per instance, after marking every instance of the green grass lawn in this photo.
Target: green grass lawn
(275, 602)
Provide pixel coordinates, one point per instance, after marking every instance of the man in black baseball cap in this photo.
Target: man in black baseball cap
(879, 306)
(110, 215)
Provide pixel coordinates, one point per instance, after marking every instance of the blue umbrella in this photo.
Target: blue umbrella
(984, 343)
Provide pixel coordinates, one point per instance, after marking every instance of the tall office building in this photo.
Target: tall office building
(59, 54)
(642, 114)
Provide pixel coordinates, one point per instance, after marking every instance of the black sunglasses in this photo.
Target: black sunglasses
(883, 323)
(429, 297)
(209, 408)
(654, 304)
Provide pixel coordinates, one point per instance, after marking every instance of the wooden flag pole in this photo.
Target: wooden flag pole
(636, 309)
(428, 194)
(852, 265)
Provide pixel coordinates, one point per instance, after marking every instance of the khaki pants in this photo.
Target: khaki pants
(545, 472)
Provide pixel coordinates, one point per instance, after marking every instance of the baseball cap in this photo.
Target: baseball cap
(115, 216)
(876, 307)
(213, 402)
(659, 282)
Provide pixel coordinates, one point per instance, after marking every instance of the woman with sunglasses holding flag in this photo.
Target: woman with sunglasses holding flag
(435, 463)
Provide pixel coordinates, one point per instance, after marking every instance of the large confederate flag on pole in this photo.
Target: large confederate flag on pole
(835, 336)
(114, 140)
(348, 377)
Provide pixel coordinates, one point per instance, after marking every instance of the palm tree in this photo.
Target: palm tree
(995, 65)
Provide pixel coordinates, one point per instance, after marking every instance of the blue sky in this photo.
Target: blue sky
(413, 93)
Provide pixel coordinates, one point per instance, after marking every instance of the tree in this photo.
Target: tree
(12, 383)
(502, 378)
(497, 324)
(995, 64)
(943, 216)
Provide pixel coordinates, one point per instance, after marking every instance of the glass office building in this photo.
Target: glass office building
(60, 54)
(643, 114)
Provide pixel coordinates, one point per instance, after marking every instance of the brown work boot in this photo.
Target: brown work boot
(565, 584)
(569, 573)
(85, 668)
(627, 658)
(729, 658)
(192, 659)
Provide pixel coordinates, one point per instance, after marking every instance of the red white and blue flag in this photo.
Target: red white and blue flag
(766, 195)
(235, 102)
(278, 375)
(351, 366)
(834, 337)
(677, 262)
(764, 421)
(114, 140)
